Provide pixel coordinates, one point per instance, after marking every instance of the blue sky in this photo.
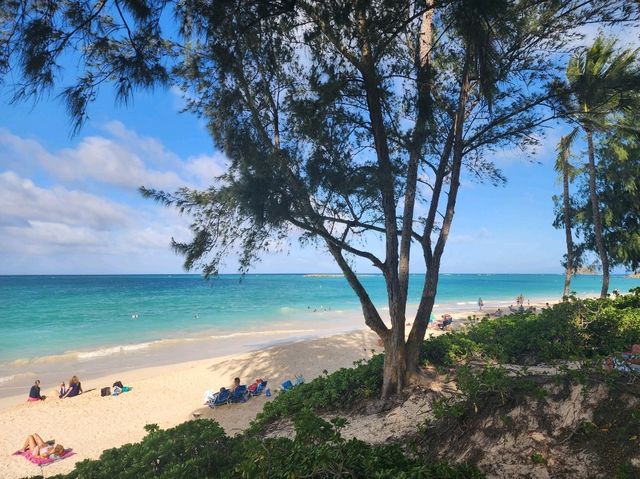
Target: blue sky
(69, 205)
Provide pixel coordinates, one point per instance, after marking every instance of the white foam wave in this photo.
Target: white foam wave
(99, 353)
(6, 379)
(261, 333)
(128, 348)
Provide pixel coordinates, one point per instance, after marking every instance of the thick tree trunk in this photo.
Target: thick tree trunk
(416, 337)
(567, 223)
(597, 219)
(395, 365)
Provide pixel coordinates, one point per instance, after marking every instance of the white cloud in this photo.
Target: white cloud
(21, 199)
(123, 159)
(65, 211)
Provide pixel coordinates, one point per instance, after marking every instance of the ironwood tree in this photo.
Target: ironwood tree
(348, 123)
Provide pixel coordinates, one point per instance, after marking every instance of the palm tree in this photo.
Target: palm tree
(568, 174)
(602, 83)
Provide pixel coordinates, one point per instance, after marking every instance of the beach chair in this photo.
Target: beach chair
(219, 398)
(240, 394)
(288, 385)
(259, 388)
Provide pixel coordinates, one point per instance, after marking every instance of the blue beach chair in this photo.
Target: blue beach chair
(288, 385)
(219, 398)
(240, 394)
(259, 388)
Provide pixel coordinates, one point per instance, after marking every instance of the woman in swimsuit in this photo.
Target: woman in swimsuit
(39, 448)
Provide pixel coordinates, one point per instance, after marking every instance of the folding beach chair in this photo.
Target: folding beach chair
(219, 398)
(240, 394)
(288, 385)
(257, 388)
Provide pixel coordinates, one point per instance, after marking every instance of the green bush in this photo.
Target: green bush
(200, 449)
(573, 329)
(336, 390)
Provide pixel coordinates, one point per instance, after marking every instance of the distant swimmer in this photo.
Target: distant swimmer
(196, 316)
(135, 316)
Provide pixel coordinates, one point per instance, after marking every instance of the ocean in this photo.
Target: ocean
(126, 321)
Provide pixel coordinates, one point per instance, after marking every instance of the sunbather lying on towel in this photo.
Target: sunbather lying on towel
(39, 448)
(625, 362)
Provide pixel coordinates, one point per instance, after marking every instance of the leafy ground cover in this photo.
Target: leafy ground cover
(201, 449)
(570, 330)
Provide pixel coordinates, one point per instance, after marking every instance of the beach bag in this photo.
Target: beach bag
(105, 392)
(118, 384)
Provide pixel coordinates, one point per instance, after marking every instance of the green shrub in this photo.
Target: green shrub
(572, 329)
(319, 451)
(336, 390)
(192, 449)
(200, 449)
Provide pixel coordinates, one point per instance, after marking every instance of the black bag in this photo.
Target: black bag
(118, 384)
(105, 392)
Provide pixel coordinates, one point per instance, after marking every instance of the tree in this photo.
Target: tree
(619, 194)
(602, 84)
(568, 172)
(339, 118)
(345, 122)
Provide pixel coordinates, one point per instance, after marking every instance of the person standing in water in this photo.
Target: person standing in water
(480, 304)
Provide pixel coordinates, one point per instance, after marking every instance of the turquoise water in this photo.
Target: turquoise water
(48, 315)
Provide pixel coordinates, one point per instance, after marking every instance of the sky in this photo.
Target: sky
(70, 204)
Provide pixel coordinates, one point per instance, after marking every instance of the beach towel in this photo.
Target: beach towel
(43, 461)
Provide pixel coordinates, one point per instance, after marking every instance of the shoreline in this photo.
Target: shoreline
(18, 375)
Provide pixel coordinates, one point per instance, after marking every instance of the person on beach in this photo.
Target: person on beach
(626, 362)
(34, 392)
(75, 388)
(480, 304)
(236, 383)
(63, 390)
(38, 448)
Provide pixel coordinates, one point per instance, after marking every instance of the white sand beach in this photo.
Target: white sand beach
(165, 395)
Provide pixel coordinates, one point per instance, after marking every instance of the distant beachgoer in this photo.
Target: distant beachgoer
(625, 362)
(34, 392)
(63, 390)
(480, 304)
(447, 320)
(39, 448)
(511, 308)
(75, 388)
(236, 383)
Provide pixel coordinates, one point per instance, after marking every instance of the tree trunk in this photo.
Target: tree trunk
(597, 220)
(395, 365)
(567, 223)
